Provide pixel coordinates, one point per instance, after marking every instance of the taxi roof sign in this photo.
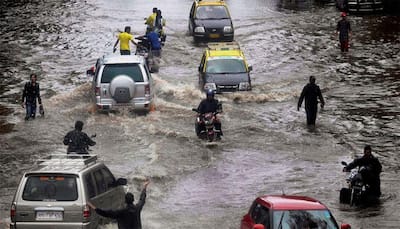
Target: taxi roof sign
(220, 46)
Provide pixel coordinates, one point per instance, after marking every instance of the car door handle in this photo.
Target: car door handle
(23, 214)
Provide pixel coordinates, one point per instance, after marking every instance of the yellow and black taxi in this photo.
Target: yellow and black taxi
(210, 20)
(223, 68)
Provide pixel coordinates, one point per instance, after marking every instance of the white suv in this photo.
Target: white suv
(122, 81)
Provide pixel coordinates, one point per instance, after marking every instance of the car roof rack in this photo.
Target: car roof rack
(68, 160)
(219, 46)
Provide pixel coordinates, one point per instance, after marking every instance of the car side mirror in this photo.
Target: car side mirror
(195, 110)
(250, 68)
(199, 68)
(121, 181)
(345, 226)
(90, 72)
(344, 163)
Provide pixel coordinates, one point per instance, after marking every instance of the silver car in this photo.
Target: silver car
(122, 81)
(55, 195)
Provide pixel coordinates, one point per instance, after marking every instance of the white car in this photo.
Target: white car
(122, 81)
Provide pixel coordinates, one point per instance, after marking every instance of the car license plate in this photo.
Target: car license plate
(49, 215)
(214, 35)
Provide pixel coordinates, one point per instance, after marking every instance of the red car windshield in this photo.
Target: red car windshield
(304, 219)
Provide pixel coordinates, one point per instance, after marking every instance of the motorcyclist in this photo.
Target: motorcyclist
(371, 173)
(210, 104)
(78, 141)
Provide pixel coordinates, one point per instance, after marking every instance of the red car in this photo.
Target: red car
(289, 212)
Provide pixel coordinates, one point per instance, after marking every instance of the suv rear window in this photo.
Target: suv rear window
(50, 188)
(112, 70)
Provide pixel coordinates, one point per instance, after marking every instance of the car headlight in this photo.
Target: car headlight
(227, 29)
(210, 86)
(244, 86)
(199, 30)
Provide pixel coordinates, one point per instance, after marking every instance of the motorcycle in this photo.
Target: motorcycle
(207, 120)
(356, 193)
(152, 57)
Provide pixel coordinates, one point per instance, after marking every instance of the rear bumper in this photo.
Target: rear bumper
(137, 105)
(49, 225)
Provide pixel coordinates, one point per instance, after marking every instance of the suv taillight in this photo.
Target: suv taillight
(97, 91)
(12, 212)
(147, 89)
(86, 212)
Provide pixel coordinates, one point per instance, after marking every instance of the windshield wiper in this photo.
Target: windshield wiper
(280, 221)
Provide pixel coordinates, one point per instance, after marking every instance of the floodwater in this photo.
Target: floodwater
(267, 148)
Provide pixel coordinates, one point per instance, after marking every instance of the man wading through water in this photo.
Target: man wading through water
(30, 94)
(344, 30)
(311, 93)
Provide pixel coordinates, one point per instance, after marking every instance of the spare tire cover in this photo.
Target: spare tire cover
(123, 81)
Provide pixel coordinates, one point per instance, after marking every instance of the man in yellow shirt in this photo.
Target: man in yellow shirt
(124, 39)
(151, 21)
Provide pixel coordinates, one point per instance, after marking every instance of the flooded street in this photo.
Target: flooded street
(266, 148)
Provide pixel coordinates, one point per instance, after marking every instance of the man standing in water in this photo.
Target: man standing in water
(30, 93)
(123, 39)
(128, 217)
(344, 30)
(311, 93)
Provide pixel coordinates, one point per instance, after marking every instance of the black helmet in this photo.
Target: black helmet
(210, 92)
